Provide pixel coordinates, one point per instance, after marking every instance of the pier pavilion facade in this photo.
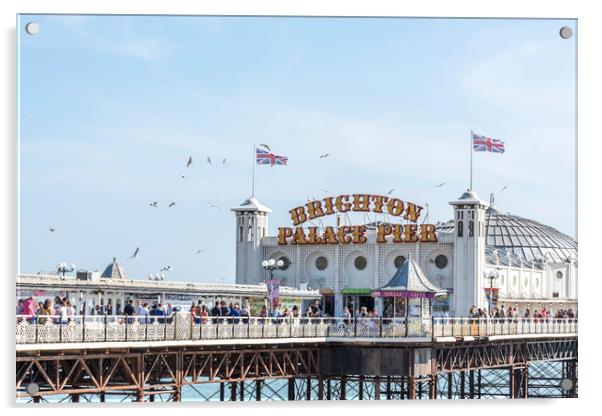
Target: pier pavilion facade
(481, 256)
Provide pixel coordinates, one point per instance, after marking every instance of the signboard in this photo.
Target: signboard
(494, 296)
(356, 234)
(363, 292)
(273, 291)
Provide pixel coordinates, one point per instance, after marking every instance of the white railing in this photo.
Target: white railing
(483, 327)
(45, 329)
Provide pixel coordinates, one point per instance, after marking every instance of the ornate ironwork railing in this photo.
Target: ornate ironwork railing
(45, 329)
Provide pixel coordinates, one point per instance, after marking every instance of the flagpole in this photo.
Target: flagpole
(254, 162)
(471, 151)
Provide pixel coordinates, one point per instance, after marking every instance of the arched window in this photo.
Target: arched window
(250, 234)
(460, 228)
(240, 234)
(471, 228)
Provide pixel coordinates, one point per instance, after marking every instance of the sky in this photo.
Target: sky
(111, 107)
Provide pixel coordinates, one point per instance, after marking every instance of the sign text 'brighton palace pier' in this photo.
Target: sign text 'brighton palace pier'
(356, 234)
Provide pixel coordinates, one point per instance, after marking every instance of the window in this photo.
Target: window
(471, 228)
(286, 262)
(240, 234)
(360, 262)
(441, 261)
(460, 228)
(250, 234)
(399, 260)
(559, 275)
(321, 263)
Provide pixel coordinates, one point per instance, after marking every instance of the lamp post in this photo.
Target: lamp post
(63, 268)
(493, 275)
(271, 265)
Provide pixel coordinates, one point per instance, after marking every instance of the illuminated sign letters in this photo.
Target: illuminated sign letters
(356, 234)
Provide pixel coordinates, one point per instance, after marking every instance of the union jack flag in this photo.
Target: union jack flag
(267, 158)
(487, 144)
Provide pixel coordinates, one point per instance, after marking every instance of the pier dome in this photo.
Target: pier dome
(520, 237)
(526, 238)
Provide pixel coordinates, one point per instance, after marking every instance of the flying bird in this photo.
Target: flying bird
(189, 161)
(171, 205)
(200, 251)
(440, 185)
(133, 256)
(212, 205)
(324, 156)
(224, 161)
(166, 267)
(504, 188)
(390, 191)
(154, 204)
(265, 146)
(208, 160)
(52, 230)
(182, 176)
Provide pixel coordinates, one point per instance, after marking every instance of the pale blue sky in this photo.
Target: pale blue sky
(111, 107)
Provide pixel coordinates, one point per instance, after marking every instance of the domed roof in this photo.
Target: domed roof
(508, 235)
(114, 271)
(526, 238)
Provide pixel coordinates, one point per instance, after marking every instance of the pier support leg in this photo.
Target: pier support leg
(411, 388)
(308, 390)
(102, 397)
(177, 395)
(388, 387)
(328, 390)
(450, 383)
(479, 383)
(258, 390)
(140, 395)
(242, 391)
(512, 383)
(471, 384)
(343, 388)
(36, 399)
(433, 387)
(361, 388)
(376, 388)
(75, 398)
(291, 389)
(462, 384)
(320, 389)
(222, 392)
(151, 398)
(233, 387)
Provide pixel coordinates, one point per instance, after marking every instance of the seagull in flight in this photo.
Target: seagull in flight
(440, 185)
(265, 146)
(390, 191)
(182, 176)
(208, 160)
(166, 267)
(324, 156)
(52, 229)
(154, 204)
(199, 251)
(224, 161)
(189, 161)
(504, 188)
(171, 205)
(212, 205)
(133, 256)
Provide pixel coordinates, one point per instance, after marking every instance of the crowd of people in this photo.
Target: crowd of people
(61, 310)
(513, 313)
